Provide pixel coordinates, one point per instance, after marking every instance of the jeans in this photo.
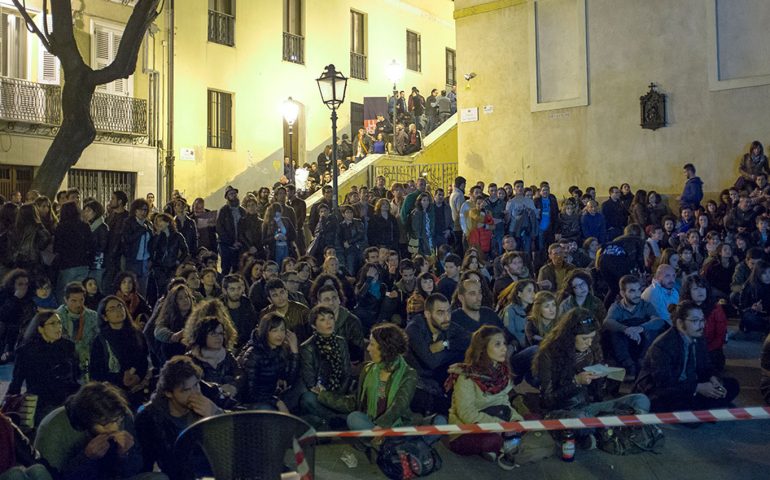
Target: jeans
(627, 352)
(68, 275)
(229, 256)
(521, 364)
(281, 252)
(141, 269)
(310, 405)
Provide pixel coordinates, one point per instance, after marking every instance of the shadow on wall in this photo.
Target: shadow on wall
(264, 173)
(476, 162)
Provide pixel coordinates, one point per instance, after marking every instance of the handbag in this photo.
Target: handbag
(404, 458)
(630, 440)
(535, 446)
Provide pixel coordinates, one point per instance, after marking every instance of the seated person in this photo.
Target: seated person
(472, 314)
(295, 313)
(553, 274)
(677, 373)
(696, 288)
(168, 328)
(386, 385)
(542, 317)
(79, 324)
(324, 365)
(47, 363)
(448, 281)
(18, 458)
(17, 307)
(210, 338)
(176, 404)
(435, 342)
(742, 273)
(662, 292)
(515, 314)
(92, 436)
(566, 389)
(632, 324)
(755, 299)
(346, 324)
(577, 293)
(270, 363)
(242, 313)
(370, 295)
(480, 394)
(415, 304)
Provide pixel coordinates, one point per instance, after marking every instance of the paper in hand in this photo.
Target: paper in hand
(613, 373)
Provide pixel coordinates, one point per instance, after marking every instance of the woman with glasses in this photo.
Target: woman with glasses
(47, 363)
(567, 389)
(210, 338)
(119, 351)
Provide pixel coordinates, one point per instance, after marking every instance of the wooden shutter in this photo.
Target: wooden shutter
(105, 43)
(48, 66)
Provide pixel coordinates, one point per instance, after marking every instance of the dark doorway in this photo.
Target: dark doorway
(356, 118)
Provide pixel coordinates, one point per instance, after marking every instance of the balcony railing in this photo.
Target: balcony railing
(221, 28)
(40, 104)
(358, 65)
(293, 48)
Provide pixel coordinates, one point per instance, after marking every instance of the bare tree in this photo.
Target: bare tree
(77, 128)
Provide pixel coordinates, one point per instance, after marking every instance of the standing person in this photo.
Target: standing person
(227, 230)
(416, 106)
(431, 108)
(615, 214)
(167, 250)
(420, 225)
(548, 212)
(278, 234)
(521, 214)
(185, 225)
(442, 214)
(117, 214)
(28, 240)
(677, 373)
(480, 394)
(383, 228)
(250, 229)
(693, 189)
(93, 214)
(137, 233)
(351, 240)
(300, 211)
(456, 200)
(207, 231)
(752, 164)
(73, 245)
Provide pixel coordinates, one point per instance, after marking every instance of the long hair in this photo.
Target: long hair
(476, 356)
(269, 218)
(32, 333)
(567, 290)
(129, 327)
(27, 221)
(170, 316)
(697, 281)
(267, 323)
(541, 298)
(204, 319)
(517, 288)
(8, 284)
(755, 281)
(51, 219)
(559, 343)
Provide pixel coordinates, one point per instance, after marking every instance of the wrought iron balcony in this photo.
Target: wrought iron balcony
(221, 28)
(358, 65)
(293, 48)
(25, 102)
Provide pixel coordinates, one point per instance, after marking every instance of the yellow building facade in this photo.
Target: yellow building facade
(278, 50)
(127, 113)
(558, 85)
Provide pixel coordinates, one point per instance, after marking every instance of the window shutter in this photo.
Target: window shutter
(48, 68)
(119, 85)
(105, 47)
(101, 53)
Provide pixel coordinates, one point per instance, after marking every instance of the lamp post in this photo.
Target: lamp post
(290, 109)
(395, 71)
(332, 85)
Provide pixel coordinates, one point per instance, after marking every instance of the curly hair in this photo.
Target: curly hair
(122, 276)
(567, 290)
(169, 315)
(476, 356)
(392, 340)
(321, 280)
(204, 319)
(94, 404)
(559, 343)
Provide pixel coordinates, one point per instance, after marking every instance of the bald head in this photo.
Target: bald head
(665, 275)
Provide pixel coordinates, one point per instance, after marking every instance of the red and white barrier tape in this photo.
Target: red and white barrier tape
(721, 415)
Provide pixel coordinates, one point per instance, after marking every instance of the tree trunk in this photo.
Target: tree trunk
(75, 134)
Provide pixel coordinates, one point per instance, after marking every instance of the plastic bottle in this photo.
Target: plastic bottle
(568, 446)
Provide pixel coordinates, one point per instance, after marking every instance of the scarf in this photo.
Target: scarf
(329, 351)
(372, 383)
(131, 300)
(491, 380)
(96, 224)
(212, 357)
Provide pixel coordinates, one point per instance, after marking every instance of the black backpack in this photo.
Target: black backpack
(615, 260)
(407, 457)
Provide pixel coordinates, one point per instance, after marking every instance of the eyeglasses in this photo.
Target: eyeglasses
(115, 308)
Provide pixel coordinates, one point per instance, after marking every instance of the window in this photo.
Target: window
(222, 22)
(13, 45)
(451, 67)
(100, 184)
(220, 113)
(48, 66)
(413, 61)
(104, 46)
(357, 45)
(293, 41)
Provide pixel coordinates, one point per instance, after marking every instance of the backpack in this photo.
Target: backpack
(403, 458)
(614, 259)
(630, 440)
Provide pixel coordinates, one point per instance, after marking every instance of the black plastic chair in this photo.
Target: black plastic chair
(246, 445)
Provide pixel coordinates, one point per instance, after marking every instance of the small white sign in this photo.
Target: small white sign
(469, 114)
(488, 109)
(187, 154)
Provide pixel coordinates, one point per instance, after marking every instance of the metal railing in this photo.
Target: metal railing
(30, 102)
(293, 48)
(358, 65)
(41, 104)
(119, 114)
(437, 174)
(221, 28)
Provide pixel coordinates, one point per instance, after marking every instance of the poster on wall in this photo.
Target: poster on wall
(374, 106)
(469, 114)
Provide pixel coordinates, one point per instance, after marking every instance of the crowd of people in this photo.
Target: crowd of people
(404, 305)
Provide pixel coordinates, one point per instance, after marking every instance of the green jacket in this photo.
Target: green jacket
(398, 413)
(70, 327)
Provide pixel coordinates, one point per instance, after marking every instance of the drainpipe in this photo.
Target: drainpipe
(170, 103)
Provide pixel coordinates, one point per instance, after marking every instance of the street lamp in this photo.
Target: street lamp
(332, 85)
(290, 109)
(395, 71)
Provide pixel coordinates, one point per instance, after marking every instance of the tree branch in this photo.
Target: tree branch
(124, 64)
(31, 26)
(63, 36)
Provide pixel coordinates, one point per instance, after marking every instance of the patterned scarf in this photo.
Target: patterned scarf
(492, 379)
(131, 300)
(372, 383)
(330, 352)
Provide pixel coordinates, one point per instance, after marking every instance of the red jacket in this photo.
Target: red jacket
(481, 237)
(716, 328)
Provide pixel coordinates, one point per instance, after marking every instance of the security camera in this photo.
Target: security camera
(469, 76)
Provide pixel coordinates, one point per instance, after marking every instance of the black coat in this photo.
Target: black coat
(73, 245)
(101, 238)
(263, 367)
(250, 234)
(50, 370)
(226, 226)
(115, 223)
(168, 251)
(132, 235)
(186, 226)
(382, 232)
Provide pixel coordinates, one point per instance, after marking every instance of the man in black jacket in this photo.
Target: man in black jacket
(677, 373)
(227, 230)
(117, 215)
(615, 214)
(435, 343)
